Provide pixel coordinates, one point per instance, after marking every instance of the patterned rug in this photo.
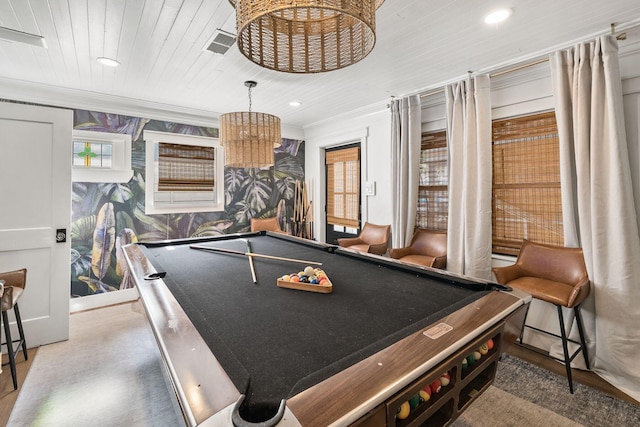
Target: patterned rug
(526, 395)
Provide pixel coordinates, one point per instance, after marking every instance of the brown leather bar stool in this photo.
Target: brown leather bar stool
(556, 275)
(14, 284)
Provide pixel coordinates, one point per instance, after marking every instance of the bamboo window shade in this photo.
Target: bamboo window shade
(185, 167)
(526, 182)
(343, 187)
(433, 193)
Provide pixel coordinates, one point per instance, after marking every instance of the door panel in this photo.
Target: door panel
(35, 190)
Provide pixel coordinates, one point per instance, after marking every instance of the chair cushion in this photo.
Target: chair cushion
(361, 248)
(546, 290)
(422, 260)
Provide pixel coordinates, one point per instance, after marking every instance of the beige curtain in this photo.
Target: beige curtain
(406, 114)
(598, 206)
(469, 142)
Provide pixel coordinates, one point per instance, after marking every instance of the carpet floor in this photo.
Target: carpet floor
(109, 373)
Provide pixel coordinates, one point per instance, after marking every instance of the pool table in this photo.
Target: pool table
(244, 353)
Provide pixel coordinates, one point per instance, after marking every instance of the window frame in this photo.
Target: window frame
(120, 170)
(152, 206)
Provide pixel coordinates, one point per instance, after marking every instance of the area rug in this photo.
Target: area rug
(107, 374)
(549, 391)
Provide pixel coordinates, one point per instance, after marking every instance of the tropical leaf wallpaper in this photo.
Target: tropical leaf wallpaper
(107, 216)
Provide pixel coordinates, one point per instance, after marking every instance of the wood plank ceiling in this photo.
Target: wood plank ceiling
(160, 46)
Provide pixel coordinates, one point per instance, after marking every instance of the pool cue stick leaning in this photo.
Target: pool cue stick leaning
(252, 254)
(253, 269)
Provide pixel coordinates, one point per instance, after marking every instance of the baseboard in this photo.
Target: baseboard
(90, 302)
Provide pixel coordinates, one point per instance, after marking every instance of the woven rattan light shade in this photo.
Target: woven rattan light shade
(249, 138)
(305, 36)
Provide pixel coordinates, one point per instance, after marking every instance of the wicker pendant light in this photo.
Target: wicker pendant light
(249, 137)
(305, 36)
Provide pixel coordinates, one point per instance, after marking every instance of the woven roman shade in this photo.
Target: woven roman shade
(343, 187)
(526, 182)
(305, 36)
(185, 167)
(433, 193)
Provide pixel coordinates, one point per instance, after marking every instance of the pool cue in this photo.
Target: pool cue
(251, 254)
(253, 269)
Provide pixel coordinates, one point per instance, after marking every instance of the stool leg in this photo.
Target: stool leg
(12, 360)
(23, 342)
(567, 363)
(576, 310)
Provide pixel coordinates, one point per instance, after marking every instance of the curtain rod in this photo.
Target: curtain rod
(494, 74)
(540, 60)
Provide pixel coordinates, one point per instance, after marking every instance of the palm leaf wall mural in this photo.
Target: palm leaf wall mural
(107, 216)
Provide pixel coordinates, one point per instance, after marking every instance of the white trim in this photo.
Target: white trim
(90, 302)
(152, 138)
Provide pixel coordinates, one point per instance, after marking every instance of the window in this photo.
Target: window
(101, 157)
(433, 197)
(526, 182)
(343, 187)
(184, 173)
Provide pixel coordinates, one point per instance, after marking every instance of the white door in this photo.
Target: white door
(35, 202)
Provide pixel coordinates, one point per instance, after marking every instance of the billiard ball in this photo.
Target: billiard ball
(414, 401)
(477, 355)
(484, 349)
(425, 394)
(445, 379)
(309, 271)
(471, 359)
(490, 344)
(435, 386)
(286, 278)
(403, 411)
(465, 364)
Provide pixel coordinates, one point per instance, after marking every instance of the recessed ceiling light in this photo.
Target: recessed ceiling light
(108, 61)
(497, 16)
(295, 103)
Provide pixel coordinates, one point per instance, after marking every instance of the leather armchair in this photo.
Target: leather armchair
(428, 248)
(266, 224)
(372, 239)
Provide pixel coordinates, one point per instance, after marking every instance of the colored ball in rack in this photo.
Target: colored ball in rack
(295, 278)
(435, 386)
(484, 349)
(445, 379)
(414, 401)
(477, 355)
(425, 394)
(490, 344)
(309, 271)
(314, 281)
(286, 278)
(465, 364)
(471, 359)
(304, 279)
(403, 411)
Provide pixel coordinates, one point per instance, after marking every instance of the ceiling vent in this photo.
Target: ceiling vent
(221, 41)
